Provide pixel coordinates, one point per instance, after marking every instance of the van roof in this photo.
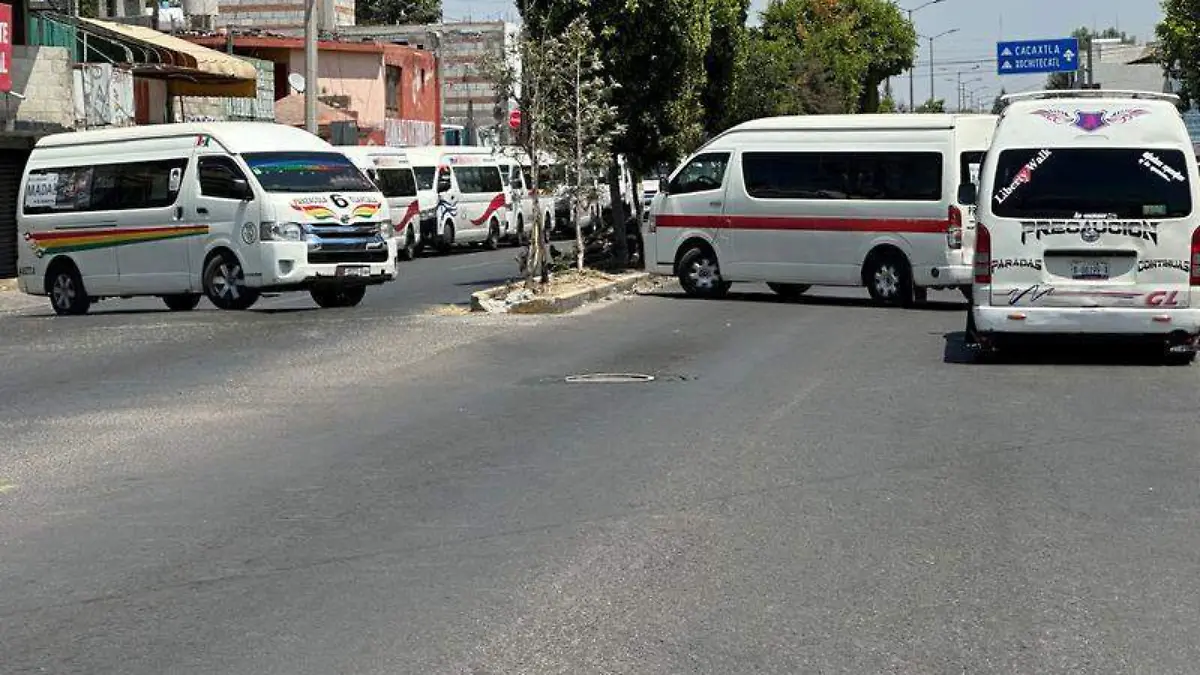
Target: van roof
(237, 137)
(881, 121)
(1113, 118)
(369, 151)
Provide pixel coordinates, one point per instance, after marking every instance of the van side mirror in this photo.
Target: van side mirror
(967, 193)
(241, 188)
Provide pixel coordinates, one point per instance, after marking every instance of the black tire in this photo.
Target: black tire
(225, 283)
(65, 287)
(332, 297)
(409, 250)
(888, 277)
(493, 238)
(789, 291)
(446, 243)
(699, 273)
(182, 302)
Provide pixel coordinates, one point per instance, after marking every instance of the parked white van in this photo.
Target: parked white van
(389, 169)
(471, 200)
(831, 200)
(228, 209)
(1088, 223)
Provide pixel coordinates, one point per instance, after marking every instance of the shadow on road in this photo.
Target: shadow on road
(488, 283)
(1056, 353)
(815, 300)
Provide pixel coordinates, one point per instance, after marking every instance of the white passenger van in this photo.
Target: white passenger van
(1088, 223)
(471, 201)
(517, 170)
(831, 200)
(389, 169)
(228, 209)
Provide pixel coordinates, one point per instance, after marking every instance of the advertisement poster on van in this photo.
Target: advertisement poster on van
(6, 41)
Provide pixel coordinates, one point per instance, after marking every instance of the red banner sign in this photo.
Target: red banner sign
(6, 41)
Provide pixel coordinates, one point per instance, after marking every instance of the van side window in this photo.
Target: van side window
(704, 172)
(395, 182)
(889, 176)
(106, 187)
(478, 179)
(216, 177)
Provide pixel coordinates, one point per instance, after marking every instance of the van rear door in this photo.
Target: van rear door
(1091, 227)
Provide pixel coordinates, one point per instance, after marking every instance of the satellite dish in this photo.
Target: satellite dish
(297, 82)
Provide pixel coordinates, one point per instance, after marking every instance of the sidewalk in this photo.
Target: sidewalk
(13, 300)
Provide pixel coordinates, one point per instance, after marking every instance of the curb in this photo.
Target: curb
(560, 304)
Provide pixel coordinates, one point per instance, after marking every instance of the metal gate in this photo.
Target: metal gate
(12, 164)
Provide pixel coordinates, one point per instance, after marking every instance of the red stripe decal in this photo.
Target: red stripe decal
(413, 209)
(497, 202)
(810, 224)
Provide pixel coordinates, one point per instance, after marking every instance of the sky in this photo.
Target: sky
(979, 24)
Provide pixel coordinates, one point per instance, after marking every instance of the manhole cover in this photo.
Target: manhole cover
(609, 378)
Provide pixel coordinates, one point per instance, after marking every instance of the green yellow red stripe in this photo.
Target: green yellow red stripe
(67, 241)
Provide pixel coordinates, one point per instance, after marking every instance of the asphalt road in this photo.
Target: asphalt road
(818, 487)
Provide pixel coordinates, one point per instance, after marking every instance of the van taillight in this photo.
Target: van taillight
(1195, 273)
(954, 231)
(983, 254)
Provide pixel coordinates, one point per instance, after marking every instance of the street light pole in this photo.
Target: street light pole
(912, 104)
(931, 64)
(310, 66)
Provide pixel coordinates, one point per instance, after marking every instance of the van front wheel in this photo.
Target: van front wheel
(225, 283)
(333, 297)
(700, 275)
(889, 280)
(183, 302)
(789, 291)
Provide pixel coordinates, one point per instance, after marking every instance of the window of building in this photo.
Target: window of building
(394, 76)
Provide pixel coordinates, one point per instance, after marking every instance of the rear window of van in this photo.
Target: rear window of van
(1098, 182)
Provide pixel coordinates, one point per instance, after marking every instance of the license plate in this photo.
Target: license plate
(1089, 269)
(353, 271)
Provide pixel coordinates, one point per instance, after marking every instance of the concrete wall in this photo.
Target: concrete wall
(358, 76)
(44, 76)
(283, 16)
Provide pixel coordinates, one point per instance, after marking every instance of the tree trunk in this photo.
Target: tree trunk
(620, 250)
(578, 158)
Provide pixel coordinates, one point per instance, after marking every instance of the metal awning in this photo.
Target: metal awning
(190, 69)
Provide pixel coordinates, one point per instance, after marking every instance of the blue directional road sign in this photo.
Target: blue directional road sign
(1028, 57)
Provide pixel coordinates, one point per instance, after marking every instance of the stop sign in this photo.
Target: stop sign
(514, 119)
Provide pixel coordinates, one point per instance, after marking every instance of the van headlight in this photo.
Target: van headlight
(385, 229)
(281, 231)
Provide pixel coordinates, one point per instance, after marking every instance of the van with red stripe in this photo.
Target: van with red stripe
(389, 169)
(1087, 224)
(472, 203)
(824, 200)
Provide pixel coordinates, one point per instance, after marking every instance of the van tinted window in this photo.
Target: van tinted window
(396, 182)
(425, 176)
(105, 187)
(306, 172)
(1115, 182)
(892, 176)
(477, 179)
(705, 172)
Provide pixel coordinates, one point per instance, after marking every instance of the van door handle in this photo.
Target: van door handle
(202, 211)
(178, 213)
(715, 204)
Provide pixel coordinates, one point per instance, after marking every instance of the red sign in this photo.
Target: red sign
(6, 47)
(514, 119)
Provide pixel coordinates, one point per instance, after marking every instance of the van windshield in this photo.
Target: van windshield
(306, 172)
(1098, 182)
(425, 176)
(396, 182)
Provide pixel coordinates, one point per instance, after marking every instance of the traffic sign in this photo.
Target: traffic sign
(1029, 57)
(514, 119)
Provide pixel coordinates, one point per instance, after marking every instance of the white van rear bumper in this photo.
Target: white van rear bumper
(944, 275)
(1091, 320)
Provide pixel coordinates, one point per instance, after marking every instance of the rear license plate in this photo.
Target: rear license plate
(353, 271)
(1089, 269)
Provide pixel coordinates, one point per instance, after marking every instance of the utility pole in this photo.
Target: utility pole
(912, 104)
(310, 66)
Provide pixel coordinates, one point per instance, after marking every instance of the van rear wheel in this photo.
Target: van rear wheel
(700, 275)
(67, 294)
(409, 250)
(789, 291)
(889, 280)
(493, 237)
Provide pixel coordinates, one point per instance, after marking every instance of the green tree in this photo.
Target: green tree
(1179, 46)
(725, 47)
(1085, 37)
(887, 104)
(774, 78)
(933, 105)
(380, 12)
(859, 42)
